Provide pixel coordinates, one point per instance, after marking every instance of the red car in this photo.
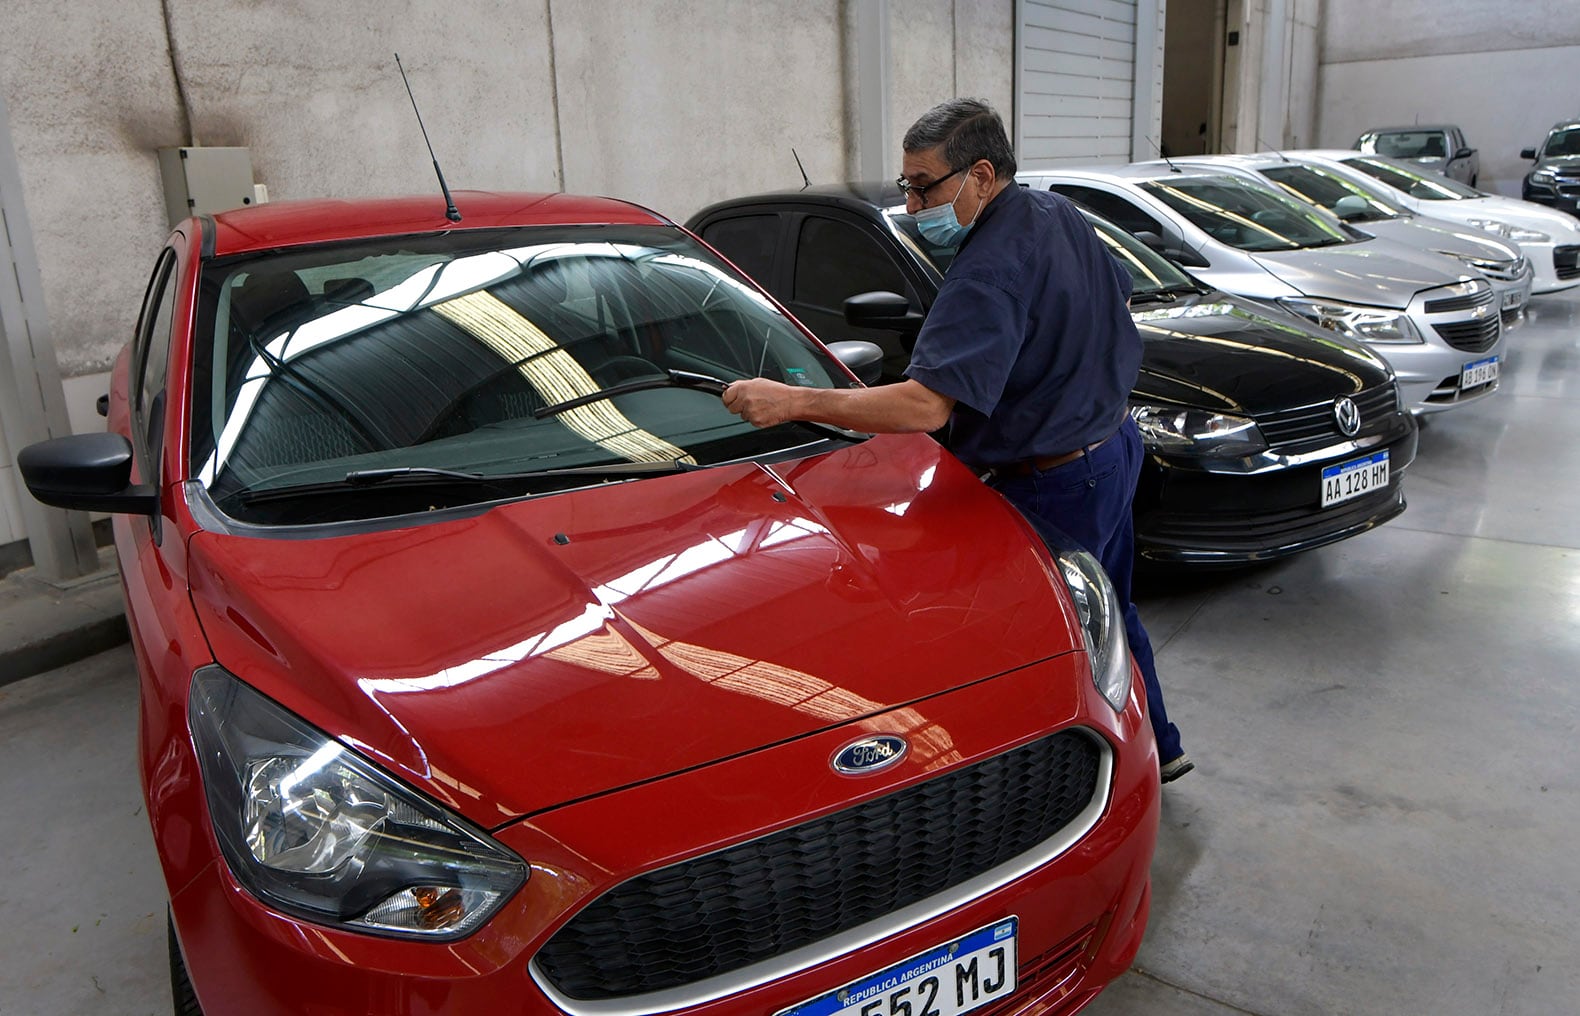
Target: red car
(489, 665)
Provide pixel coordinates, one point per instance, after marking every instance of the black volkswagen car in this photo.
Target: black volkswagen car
(1554, 180)
(1265, 436)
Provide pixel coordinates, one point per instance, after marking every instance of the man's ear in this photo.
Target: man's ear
(983, 176)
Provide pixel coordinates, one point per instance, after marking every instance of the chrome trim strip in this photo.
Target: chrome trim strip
(809, 956)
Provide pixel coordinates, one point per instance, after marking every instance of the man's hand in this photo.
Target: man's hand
(761, 402)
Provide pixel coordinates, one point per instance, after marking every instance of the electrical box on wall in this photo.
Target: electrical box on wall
(201, 181)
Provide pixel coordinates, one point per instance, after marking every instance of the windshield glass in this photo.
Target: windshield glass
(1417, 183)
(1150, 272)
(1246, 215)
(1411, 144)
(903, 226)
(1326, 189)
(1561, 143)
(442, 352)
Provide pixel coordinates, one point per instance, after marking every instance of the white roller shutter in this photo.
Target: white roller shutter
(1075, 71)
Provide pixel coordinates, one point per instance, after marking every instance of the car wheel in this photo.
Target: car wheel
(182, 996)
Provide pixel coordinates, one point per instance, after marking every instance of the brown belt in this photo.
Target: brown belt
(1043, 463)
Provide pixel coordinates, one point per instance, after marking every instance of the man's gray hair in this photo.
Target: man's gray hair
(968, 130)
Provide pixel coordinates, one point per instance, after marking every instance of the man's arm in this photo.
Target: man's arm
(906, 408)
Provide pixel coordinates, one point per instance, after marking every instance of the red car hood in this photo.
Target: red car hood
(556, 648)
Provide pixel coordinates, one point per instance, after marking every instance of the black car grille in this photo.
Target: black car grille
(1468, 302)
(1566, 262)
(1258, 532)
(1288, 427)
(723, 911)
(1471, 336)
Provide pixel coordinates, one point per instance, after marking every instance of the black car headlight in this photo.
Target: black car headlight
(1102, 623)
(1172, 430)
(311, 828)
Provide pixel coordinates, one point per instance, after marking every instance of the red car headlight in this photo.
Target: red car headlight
(1102, 623)
(312, 829)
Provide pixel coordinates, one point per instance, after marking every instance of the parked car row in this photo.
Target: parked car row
(1265, 437)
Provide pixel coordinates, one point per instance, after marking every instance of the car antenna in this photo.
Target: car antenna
(1172, 168)
(1267, 147)
(450, 211)
(805, 182)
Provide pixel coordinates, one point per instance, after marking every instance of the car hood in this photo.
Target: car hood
(1558, 162)
(547, 650)
(1440, 235)
(1561, 226)
(1227, 354)
(1374, 273)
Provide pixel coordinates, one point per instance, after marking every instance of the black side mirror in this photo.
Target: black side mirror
(1152, 240)
(882, 310)
(103, 405)
(88, 472)
(1179, 254)
(1528, 153)
(865, 359)
(1464, 153)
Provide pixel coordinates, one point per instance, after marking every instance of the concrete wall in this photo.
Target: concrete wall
(669, 103)
(1192, 46)
(1504, 72)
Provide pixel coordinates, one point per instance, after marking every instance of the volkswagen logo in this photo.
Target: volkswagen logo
(1348, 416)
(869, 755)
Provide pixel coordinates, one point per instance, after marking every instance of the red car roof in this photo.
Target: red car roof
(291, 223)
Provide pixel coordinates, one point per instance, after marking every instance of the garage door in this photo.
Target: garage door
(1075, 80)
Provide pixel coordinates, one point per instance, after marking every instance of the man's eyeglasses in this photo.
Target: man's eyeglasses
(907, 188)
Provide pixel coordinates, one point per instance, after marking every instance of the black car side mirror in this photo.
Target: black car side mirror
(865, 359)
(882, 310)
(88, 472)
(1464, 153)
(1528, 153)
(1152, 240)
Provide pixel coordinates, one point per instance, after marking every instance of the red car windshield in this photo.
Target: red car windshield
(579, 353)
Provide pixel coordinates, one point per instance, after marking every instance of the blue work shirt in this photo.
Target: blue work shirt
(1030, 334)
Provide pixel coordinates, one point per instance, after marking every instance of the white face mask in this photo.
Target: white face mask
(941, 226)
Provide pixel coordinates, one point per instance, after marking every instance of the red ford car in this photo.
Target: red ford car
(489, 665)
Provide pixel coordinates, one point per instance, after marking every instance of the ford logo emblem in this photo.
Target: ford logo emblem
(869, 755)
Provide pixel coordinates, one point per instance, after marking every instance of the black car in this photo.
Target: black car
(1555, 179)
(1264, 436)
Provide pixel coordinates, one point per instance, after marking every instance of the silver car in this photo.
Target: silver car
(1502, 263)
(1435, 321)
(1438, 147)
(1549, 238)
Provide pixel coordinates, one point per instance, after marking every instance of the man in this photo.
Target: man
(1029, 353)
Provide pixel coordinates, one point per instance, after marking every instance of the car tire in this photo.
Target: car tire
(183, 998)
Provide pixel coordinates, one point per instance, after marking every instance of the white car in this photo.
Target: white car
(1501, 261)
(1550, 238)
(1433, 319)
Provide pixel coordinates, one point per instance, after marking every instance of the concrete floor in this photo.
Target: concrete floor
(1382, 820)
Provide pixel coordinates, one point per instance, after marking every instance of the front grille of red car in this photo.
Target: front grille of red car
(1051, 978)
(717, 913)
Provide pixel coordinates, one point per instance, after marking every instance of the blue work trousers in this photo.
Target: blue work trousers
(1089, 499)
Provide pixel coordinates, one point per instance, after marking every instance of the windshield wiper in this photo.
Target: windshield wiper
(681, 379)
(399, 478)
(1153, 296)
(668, 379)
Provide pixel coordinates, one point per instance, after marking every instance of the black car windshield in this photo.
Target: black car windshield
(1561, 143)
(1426, 144)
(1344, 198)
(1246, 215)
(903, 225)
(457, 360)
(1424, 184)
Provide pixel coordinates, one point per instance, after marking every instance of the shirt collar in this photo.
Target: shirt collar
(1003, 199)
